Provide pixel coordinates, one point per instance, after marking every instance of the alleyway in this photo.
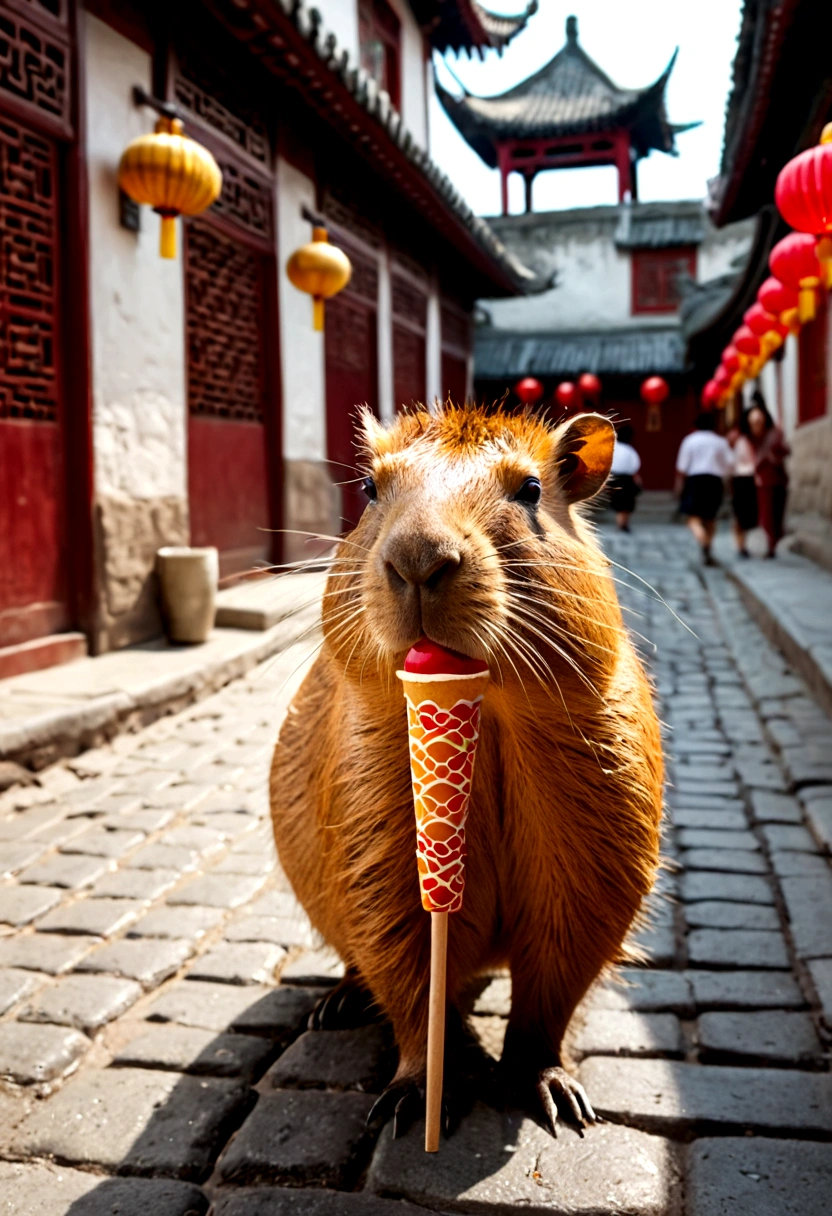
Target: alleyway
(145, 924)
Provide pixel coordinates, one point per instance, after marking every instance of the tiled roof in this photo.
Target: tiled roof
(570, 95)
(466, 25)
(643, 226)
(503, 354)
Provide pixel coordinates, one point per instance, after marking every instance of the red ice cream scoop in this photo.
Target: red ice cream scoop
(428, 658)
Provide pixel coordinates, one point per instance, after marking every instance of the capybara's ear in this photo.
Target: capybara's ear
(583, 455)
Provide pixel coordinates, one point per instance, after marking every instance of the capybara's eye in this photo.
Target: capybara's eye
(369, 488)
(529, 492)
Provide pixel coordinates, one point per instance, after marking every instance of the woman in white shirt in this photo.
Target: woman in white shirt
(704, 461)
(625, 483)
(743, 488)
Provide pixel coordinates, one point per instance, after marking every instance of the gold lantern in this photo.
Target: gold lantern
(319, 269)
(171, 173)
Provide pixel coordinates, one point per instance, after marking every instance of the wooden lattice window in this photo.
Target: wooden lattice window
(379, 35)
(656, 277)
(28, 280)
(225, 326)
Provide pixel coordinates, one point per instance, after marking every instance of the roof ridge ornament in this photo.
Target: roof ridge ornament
(572, 30)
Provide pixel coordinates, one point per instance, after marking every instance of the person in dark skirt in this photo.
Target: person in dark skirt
(743, 487)
(704, 462)
(770, 476)
(625, 482)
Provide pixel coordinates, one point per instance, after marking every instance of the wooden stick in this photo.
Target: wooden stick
(436, 1028)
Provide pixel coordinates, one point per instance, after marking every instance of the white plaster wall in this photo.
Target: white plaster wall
(414, 102)
(341, 18)
(789, 375)
(433, 346)
(386, 404)
(137, 298)
(301, 347)
(721, 247)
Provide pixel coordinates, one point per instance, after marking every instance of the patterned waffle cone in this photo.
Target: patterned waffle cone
(443, 724)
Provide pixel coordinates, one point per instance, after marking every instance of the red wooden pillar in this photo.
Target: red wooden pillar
(622, 160)
(503, 164)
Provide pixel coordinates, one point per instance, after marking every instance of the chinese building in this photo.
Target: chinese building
(147, 402)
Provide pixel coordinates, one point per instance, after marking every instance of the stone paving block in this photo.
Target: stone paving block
(190, 923)
(769, 1036)
(506, 1163)
(733, 888)
(190, 1049)
(768, 807)
(788, 837)
(819, 818)
(495, 998)
(61, 870)
(744, 990)
(611, 1032)
(313, 967)
(737, 948)
(30, 1054)
(675, 1098)
(301, 1136)
(728, 821)
(203, 840)
(148, 960)
(60, 832)
(292, 1201)
(799, 865)
(714, 789)
(730, 861)
(809, 907)
(104, 842)
(20, 905)
(277, 903)
(280, 1013)
(646, 992)
(83, 1001)
(56, 1190)
(52, 953)
(820, 970)
(99, 917)
(657, 942)
(716, 914)
(239, 963)
(147, 820)
(270, 1011)
(177, 797)
(765, 775)
(245, 863)
(146, 885)
(763, 1176)
(16, 854)
(362, 1059)
(24, 823)
(712, 838)
(218, 891)
(705, 802)
(139, 1121)
(281, 930)
(15, 985)
(163, 857)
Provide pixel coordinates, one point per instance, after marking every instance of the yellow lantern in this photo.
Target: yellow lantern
(171, 173)
(319, 269)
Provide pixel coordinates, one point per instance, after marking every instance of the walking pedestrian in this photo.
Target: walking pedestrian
(625, 482)
(704, 462)
(770, 476)
(743, 486)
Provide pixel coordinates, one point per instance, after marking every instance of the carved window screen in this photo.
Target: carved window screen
(35, 70)
(29, 308)
(656, 277)
(225, 325)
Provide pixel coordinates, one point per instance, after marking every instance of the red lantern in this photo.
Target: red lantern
(781, 301)
(794, 261)
(731, 360)
(710, 395)
(529, 390)
(766, 327)
(590, 387)
(655, 390)
(747, 342)
(804, 194)
(722, 378)
(567, 395)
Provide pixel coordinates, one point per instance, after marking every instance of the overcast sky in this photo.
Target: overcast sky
(632, 41)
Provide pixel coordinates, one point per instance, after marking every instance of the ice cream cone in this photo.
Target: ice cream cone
(443, 718)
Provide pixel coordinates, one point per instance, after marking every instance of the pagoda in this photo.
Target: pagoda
(568, 114)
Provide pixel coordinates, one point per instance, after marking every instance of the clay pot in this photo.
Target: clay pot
(188, 581)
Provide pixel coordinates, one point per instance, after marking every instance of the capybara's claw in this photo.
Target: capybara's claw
(561, 1094)
(348, 1006)
(404, 1101)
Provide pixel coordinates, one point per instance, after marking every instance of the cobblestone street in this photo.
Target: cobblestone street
(156, 972)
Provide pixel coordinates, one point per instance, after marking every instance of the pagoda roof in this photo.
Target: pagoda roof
(466, 25)
(570, 95)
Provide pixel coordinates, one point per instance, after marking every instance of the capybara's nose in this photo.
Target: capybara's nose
(419, 562)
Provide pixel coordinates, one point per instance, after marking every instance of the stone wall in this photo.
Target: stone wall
(811, 468)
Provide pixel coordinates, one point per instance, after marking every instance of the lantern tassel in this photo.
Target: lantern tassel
(806, 305)
(318, 313)
(167, 237)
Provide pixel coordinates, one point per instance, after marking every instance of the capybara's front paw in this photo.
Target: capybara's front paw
(348, 1006)
(403, 1102)
(560, 1094)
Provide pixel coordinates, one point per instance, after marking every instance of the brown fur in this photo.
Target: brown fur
(563, 829)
